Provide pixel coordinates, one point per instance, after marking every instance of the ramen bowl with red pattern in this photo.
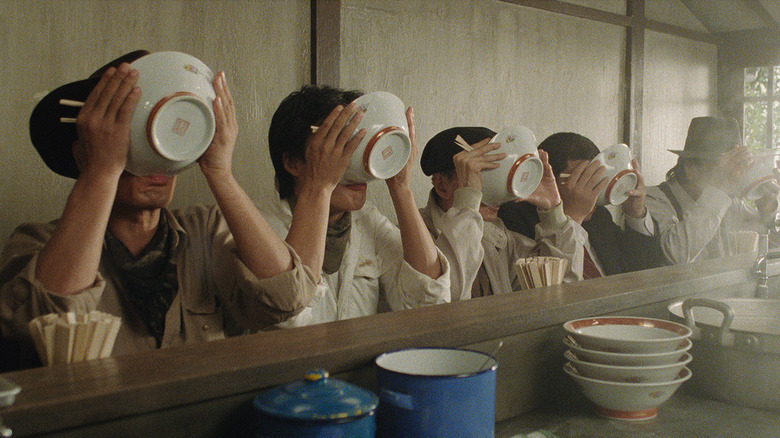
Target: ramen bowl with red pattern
(386, 147)
(173, 123)
(621, 178)
(628, 334)
(627, 401)
(519, 173)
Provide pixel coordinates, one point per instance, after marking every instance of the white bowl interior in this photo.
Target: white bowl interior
(628, 359)
(623, 334)
(435, 362)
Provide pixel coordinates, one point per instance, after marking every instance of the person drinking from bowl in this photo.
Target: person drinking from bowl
(364, 263)
(699, 203)
(609, 248)
(482, 252)
(174, 277)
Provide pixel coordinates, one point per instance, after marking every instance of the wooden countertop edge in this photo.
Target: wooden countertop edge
(62, 396)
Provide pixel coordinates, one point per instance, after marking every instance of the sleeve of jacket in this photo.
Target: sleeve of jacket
(683, 239)
(252, 302)
(22, 296)
(458, 234)
(404, 287)
(557, 235)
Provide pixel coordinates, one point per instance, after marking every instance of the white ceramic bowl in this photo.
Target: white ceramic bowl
(386, 147)
(627, 334)
(629, 359)
(519, 173)
(754, 184)
(628, 374)
(622, 179)
(627, 401)
(173, 123)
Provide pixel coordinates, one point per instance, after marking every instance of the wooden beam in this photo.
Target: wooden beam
(635, 72)
(326, 42)
(669, 29)
(574, 11)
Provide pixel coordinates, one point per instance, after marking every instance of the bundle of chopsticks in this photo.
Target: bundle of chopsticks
(540, 271)
(71, 337)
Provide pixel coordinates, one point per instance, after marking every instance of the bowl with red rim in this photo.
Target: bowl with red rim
(757, 181)
(386, 147)
(627, 334)
(628, 373)
(621, 179)
(627, 401)
(519, 173)
(173, 123)
(627, 359)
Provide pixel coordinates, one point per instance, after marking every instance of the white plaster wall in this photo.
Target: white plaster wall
(680, 83)
(262, 45)
(486, 63)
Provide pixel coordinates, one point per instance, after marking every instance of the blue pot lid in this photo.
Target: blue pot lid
(316, 398)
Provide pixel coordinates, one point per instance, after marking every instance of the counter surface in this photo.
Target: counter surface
(682, 416)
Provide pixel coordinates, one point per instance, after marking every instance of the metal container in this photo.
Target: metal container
(316, 406)
(736, 349)
(436, 393)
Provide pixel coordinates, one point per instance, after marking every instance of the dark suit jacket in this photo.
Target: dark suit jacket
(618, 250)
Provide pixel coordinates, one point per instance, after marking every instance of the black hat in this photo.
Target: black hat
(710, 137)
(438, 152)
(53, 139)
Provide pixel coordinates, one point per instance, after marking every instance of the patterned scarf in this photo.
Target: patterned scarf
(149, 280)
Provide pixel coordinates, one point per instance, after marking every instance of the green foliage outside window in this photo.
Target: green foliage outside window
(761, 109)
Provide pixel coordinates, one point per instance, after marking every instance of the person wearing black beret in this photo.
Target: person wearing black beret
(609, 248)
(699, 203)
(173, 277)
(481, 251)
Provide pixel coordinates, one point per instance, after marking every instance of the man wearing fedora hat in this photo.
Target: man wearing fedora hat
(481, 250)
(697, 206)
(174, 277)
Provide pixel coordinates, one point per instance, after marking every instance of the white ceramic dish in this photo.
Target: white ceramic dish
(627, 401)
(629, 359)
(628, 374)
(386, 147)
(627, 334)
(519, 173)
(622, 179)
(173, 123)
(8, 392)
(756, 181)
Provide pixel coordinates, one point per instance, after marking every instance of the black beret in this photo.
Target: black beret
(53, 139)
(438, 152)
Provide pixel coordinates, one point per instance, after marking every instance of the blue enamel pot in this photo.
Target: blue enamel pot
(316, 406)
(436, 393)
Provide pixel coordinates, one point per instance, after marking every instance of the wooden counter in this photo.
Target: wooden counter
(206, 390)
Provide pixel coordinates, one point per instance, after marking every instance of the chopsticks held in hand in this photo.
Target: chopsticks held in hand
(463, 144)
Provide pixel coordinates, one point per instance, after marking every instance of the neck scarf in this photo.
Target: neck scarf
(148, 280)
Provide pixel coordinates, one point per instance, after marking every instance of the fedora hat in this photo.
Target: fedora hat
(710, 137)
(54, 139)
(438, 152)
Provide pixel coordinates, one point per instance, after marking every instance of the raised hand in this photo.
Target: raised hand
(634, 206)
(581, 189)
(218, 158)
(546, 195)
(470, 164)
(103, 123)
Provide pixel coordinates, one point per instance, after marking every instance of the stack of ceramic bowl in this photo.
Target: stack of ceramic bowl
(627, 366)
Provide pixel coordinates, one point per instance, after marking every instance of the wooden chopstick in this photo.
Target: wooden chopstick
(463, 144)
(73, 103)
(67, 120)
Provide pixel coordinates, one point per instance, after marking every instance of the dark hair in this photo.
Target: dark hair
(563, 147)
(291, 126)
(678, 171)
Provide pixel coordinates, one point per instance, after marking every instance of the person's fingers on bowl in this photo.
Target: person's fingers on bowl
(94, 95)
(346, 132)
(122, 92)
(353, 144)
(341, 124)
(125, 112)
(228, 121)
(109, 92)
(410, 121)
(323, 130)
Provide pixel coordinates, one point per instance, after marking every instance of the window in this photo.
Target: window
(761, 108)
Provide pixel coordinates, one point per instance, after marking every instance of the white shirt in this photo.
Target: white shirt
(373, 273)
(470, 243)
